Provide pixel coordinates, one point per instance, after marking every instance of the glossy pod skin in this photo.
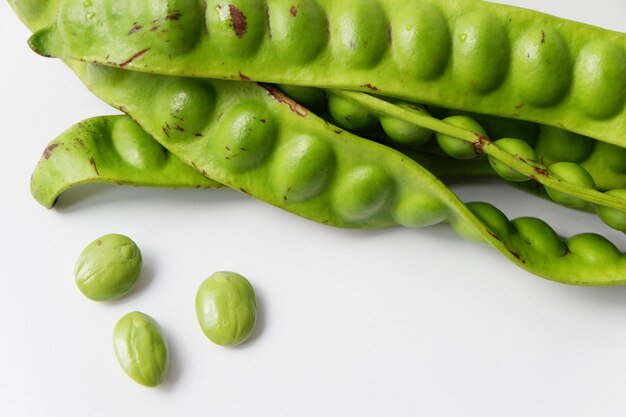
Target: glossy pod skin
(462, 54)
(584, 259)
(253, 138)
(109, 149)
(141, 349)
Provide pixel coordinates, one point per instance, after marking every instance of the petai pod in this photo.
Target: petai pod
(463, 54)
(255, 139)
(109, 149)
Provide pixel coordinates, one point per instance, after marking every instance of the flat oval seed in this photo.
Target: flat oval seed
(420, 209)
(538, 234)
(243, 137)
(135, 146)
(613, 217)
(480, 52)
(542, 66)
(600, 84)
(593, 248)
(362, 193)
(184, 107)
(226, 308)
(236, 28)
(358, 33)
(570, 173)
(141, 349)
(421, 40)
(108, 268)
(302, 168)
(297, 29)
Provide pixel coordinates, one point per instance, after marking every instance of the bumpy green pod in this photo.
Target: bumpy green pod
(464, 54)
(109, 149)
(254, 139)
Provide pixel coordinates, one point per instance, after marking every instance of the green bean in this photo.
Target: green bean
(108, 268)
(255, 139)
(110, 149)
(464, 54)
(141, 349)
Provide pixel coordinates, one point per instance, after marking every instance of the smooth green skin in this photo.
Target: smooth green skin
(108, 268)
(531, 244)
(109, 149)
(455, 147)
(351, 116)
(226, 308)
(141, 349)
(607, 176)
(404, 133)
(369, 185)
(463, 54)
(611, 217)
(572, 173)
(518, 148)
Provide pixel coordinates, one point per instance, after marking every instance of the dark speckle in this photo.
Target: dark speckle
(543, 37)
(92, 162)
(47, 153)
(370, 86)
(240, 23)
(294, 11)
(174, 16)
(135, 29)
(134, 58)
(98, 242)
(244, 77)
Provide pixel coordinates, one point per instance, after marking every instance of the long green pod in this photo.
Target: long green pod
(254, 139)
(483, 144)
(109, 149)
(461, 54)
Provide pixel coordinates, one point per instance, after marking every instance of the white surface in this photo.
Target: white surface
(352, 323)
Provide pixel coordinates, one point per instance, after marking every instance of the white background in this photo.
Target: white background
(352, 323)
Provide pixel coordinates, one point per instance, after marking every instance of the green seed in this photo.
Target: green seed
(108, 268)
(141, 349)
(612, 217)
(573, 174)
(517, 148)
(458, 148)
(226, 308)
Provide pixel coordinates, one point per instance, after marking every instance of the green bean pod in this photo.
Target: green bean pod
(254, 139)
(109, 149)
(462, 54)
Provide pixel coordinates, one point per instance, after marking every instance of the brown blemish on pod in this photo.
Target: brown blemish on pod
(370, 86)
(134, 58)
(282, 98)
(243, 77)
(240, 22)
(92, 162)
(479, 143)
(135, 29)
(47, 153)
(294, 11)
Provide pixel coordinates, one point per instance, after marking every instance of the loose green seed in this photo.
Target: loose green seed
(141, 349)
(108, 268)
(458, 148)
(226, 308)
(517, 148)
(573, 174)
